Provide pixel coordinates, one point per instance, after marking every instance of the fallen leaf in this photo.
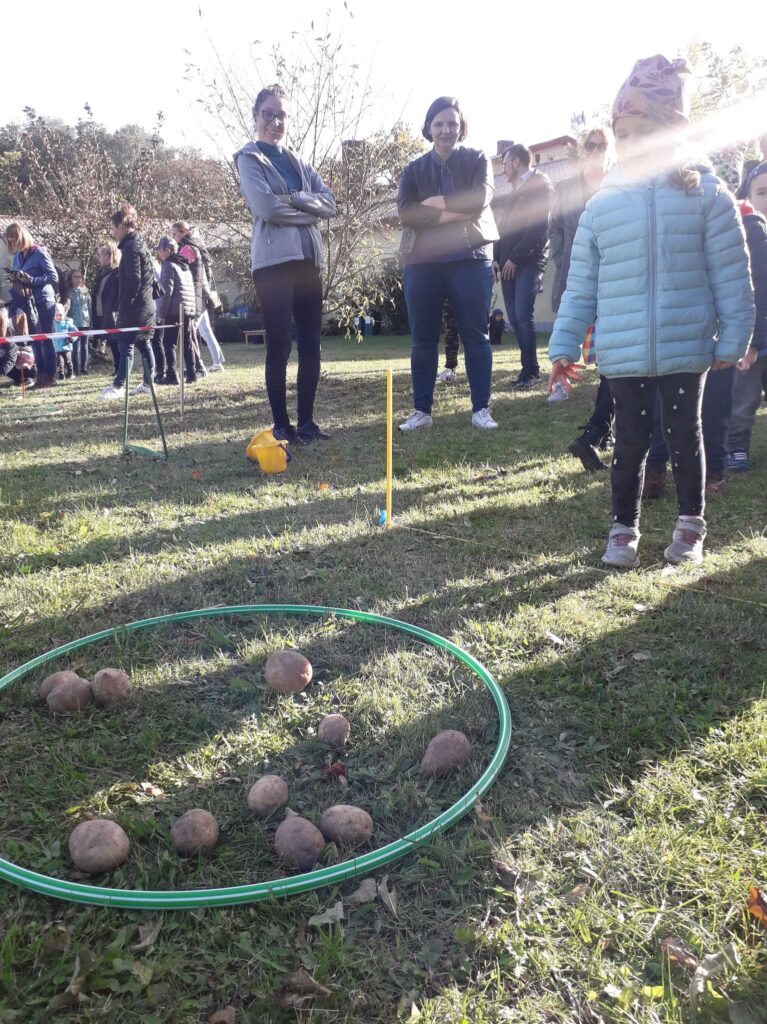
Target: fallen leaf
(642, 656)
(387, 897)
(197, 475)
(678, 952)
(147, 935)
(331, 916)
(152, 790)
(337, 770)
(557, 641)
(225, 1016)
(365, 893)
(709, 967)
(323, 487)
(578, 894)
(298, 987)
(506, 874)
(757, 905)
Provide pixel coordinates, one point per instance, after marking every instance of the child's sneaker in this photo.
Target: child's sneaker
(687, 541)
(416, 420)
(111, 392)
(447, 376)
(622, 544)
(737, 461)
(558, 393)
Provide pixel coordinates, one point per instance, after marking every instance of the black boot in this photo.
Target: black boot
(585, 448)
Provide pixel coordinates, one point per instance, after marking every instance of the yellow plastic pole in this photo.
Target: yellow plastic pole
(388, 445)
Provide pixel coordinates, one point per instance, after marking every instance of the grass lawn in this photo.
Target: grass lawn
(632, 809)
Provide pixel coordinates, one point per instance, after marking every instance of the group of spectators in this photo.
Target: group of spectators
(168, 293)
(655, 277)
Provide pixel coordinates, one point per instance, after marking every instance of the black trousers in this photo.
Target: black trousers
(452, 338)
(602, 416)
(291, 292)
(681, 396)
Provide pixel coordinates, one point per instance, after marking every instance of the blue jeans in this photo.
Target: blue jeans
(468, 284)
(519, 297)
(80, 354)
(142, 342)
(717, 405)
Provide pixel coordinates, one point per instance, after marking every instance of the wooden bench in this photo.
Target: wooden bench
(260, 337)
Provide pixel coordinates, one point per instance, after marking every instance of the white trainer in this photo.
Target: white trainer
(447, 376)
(416, 421)
(483, 420)
(622, 544)
(216, 368)
(110, 392)
(142, 389)
(559, 393)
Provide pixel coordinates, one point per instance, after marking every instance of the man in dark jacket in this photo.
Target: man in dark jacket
(520, 255)
(178, 299)
(136, 301)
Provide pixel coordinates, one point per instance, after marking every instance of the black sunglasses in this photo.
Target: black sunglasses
(592, 147)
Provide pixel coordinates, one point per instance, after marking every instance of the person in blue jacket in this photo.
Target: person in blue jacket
(660, 258)
(33, 279)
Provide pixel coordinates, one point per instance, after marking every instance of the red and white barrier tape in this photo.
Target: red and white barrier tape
(87, 334)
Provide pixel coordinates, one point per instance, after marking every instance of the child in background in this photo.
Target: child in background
(80, 313)
(747, 389)
(495, 327)
(659, 259)
(63, 343)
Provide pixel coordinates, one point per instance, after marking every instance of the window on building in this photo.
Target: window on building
(537, 158)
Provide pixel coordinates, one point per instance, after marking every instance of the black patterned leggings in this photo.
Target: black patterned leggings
(681, 397)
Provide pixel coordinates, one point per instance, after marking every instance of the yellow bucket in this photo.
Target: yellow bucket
(271, 455)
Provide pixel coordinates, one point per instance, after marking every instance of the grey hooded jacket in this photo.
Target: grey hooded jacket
(276, 236)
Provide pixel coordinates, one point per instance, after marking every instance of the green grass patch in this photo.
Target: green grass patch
(632, 807)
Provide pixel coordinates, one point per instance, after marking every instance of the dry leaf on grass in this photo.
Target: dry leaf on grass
(757, 905)
(678, 952)
(366, 893)
(387, 897)
(225, 1016)
(709, 967)
(331, 916)
(578, 893)
(147, 935)
(642, 656)
(298, 987)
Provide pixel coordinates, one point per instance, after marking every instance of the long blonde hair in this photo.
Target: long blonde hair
(16, 235)
(114, 253)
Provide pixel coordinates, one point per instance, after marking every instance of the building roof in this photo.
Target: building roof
(562, 140)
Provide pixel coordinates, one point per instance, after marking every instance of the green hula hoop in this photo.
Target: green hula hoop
(239, 894)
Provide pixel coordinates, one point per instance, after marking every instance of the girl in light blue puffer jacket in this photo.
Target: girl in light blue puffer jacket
(659, 259)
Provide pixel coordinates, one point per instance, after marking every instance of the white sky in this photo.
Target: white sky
(520, 68)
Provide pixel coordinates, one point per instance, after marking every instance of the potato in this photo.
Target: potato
(346, 825)
(298, 842)
(71, 696)
(110, 686)
(447, 752)
(267, 794)
(51, 682)
(334, 729)
(288, 672)
(98, 845)
(194, 832)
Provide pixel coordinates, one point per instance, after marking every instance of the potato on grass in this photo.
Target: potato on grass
(194, 832)
(98, 845)
(298, 843)
(110, 686)
(447, 752)
(346, 825)
(288, 672)
(70, 697)
(334, 730)
(267, 794)
(56, 679)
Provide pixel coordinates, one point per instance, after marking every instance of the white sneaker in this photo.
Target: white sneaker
(447, 376)
(483, 420)
(558, 393)
(622, 543)
(111, 392)
(217, 368)
(142, 389)
(416, 420)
